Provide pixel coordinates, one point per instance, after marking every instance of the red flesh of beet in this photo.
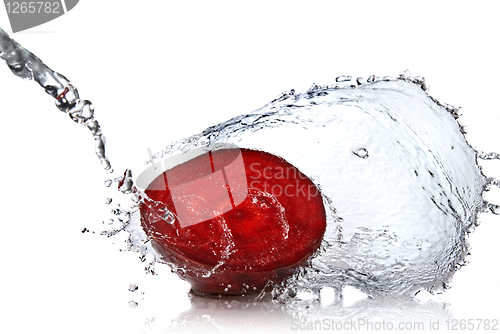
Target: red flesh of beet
(246, 217)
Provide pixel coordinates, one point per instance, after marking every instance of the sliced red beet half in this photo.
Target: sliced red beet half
(244, 220)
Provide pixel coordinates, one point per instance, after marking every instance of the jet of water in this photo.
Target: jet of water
(26, 65)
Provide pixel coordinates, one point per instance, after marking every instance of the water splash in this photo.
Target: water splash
(391, 161)
(401, 184)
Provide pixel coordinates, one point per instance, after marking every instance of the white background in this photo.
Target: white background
(157, 71)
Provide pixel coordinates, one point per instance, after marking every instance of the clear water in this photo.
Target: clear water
(401, 184)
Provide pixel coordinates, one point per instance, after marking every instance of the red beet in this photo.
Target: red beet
(243, 218)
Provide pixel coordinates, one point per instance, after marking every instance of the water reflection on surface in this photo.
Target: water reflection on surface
(246, 314)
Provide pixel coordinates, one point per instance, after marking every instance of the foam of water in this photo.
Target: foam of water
(401, 184)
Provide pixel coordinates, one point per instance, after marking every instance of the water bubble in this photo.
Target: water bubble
(135, 198)
(126, 183)
(494, 208)
(361, 153)
(488, 156)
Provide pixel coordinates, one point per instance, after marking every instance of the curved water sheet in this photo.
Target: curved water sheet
(400, 182)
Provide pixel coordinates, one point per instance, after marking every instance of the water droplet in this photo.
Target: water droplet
(361, 153)
(133, 304)
(126, 184)
(226, 289)
(135, 198)
(488, 156)
(420, 81)
(133, 287)
(372, 113)
(108, 182)
(109, 200)
(494, 208)
(343, 78)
